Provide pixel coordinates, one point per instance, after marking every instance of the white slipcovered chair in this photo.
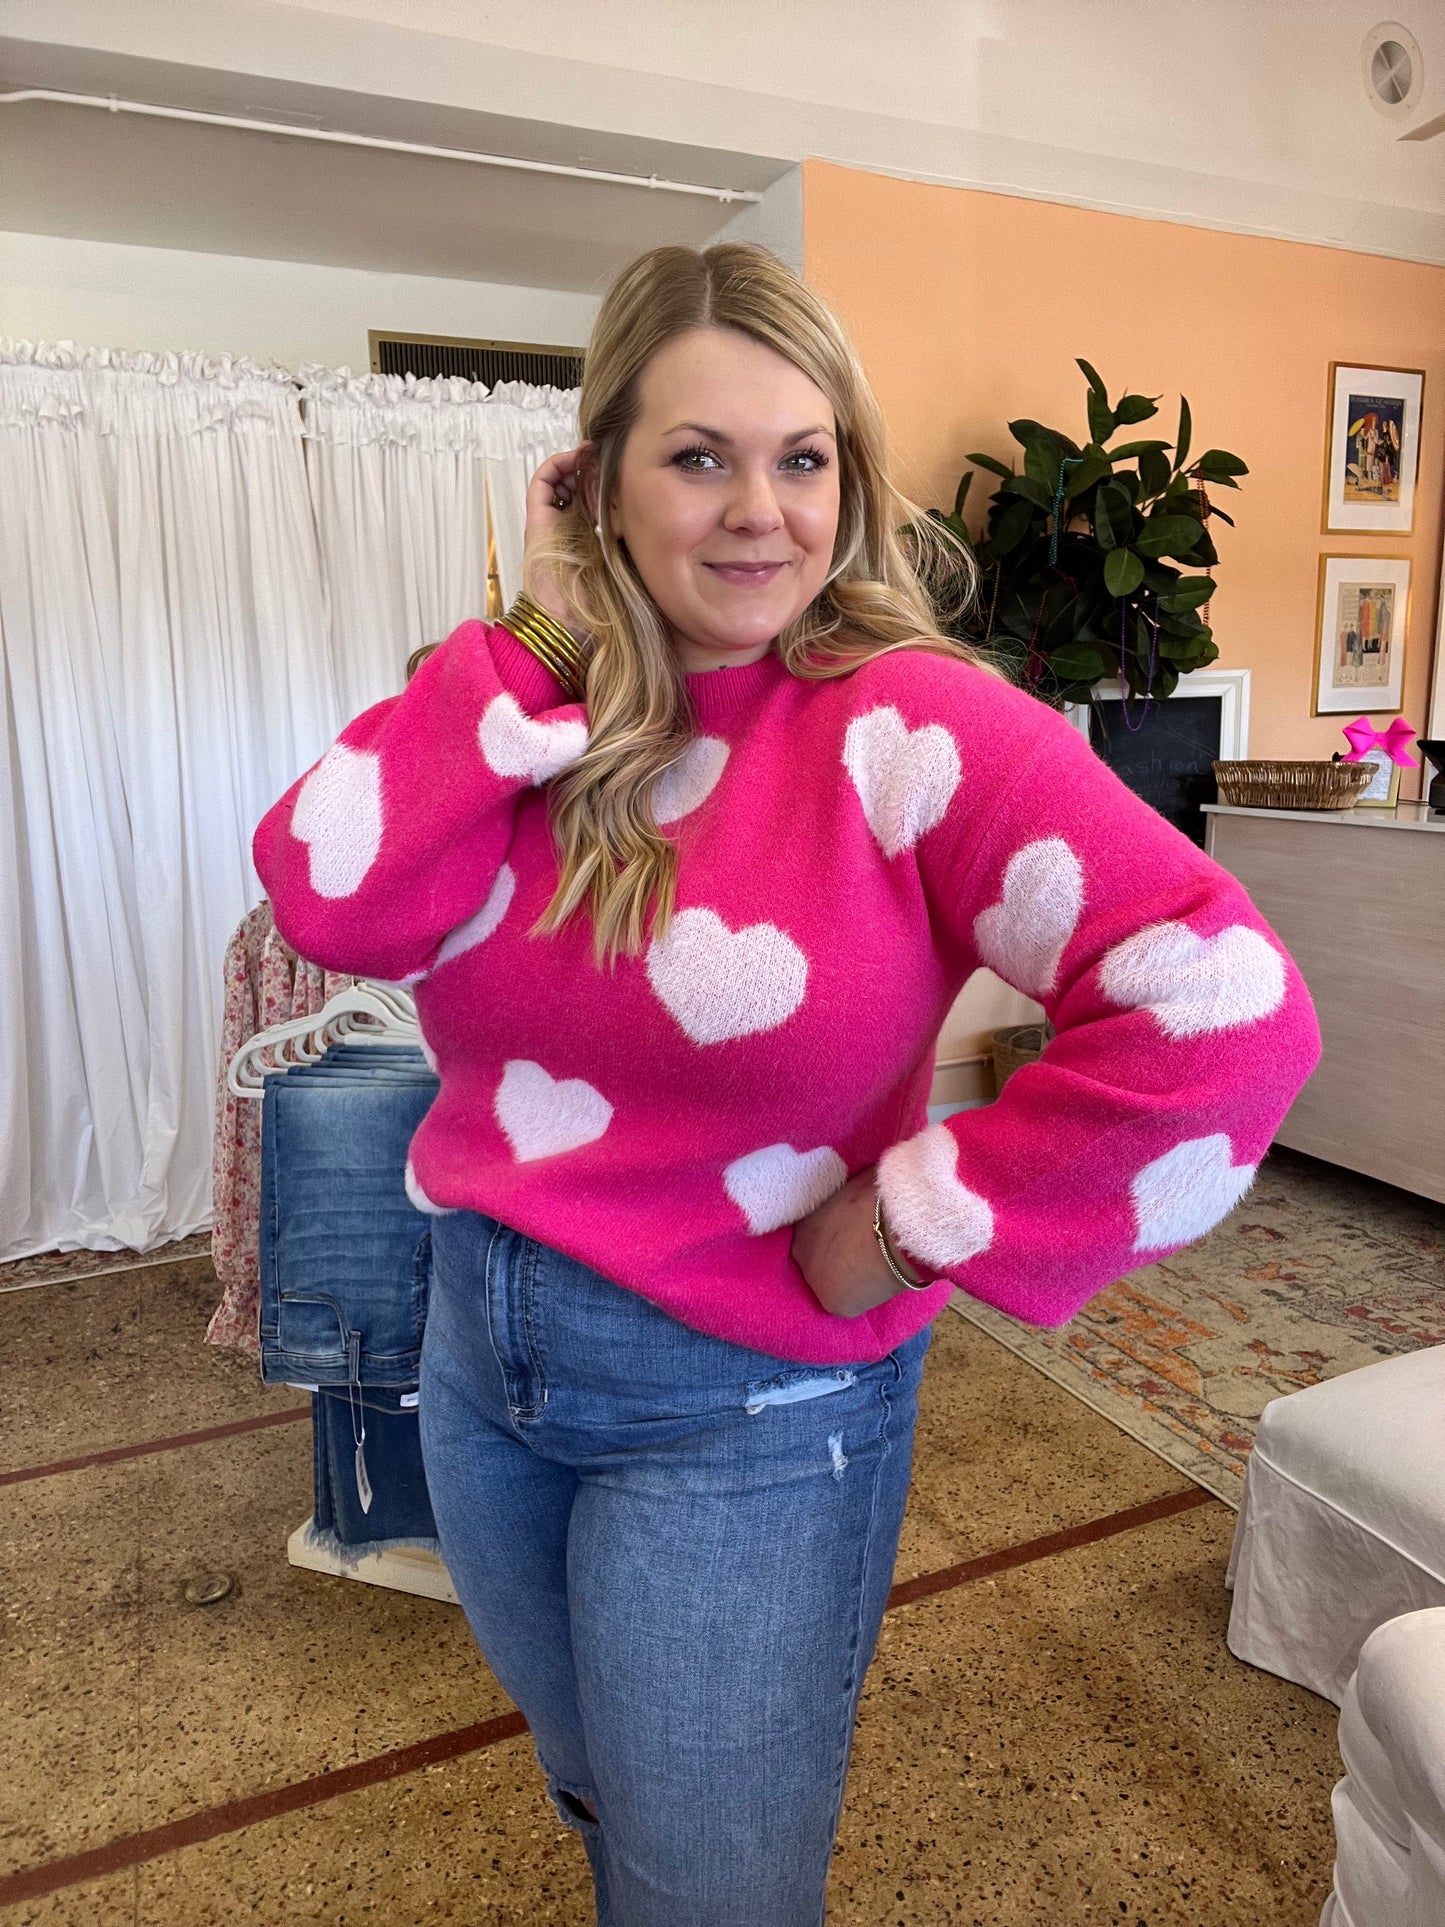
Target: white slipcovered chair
(1390, 1807)
(1342, 1526)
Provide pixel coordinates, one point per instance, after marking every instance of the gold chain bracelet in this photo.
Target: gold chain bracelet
(880, 1231)
(554, 646)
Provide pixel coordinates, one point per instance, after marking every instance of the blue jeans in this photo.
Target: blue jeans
(345, 1255)
(385, 1424)
(675, 1554)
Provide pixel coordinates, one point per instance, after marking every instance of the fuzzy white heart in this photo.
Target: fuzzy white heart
(720, 983)
(1023, 937)
(1191, 984)
(905, 778)
(931, 1212)
(542, 1116)
(337, 815)
(778, 1185)
(1180, 1196)
(480, 925)
(691, 779)
(516, 744)
(419, 1197)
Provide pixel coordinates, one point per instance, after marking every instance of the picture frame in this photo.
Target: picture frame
(1372, 449)
(1361, 624)
(1383, 791)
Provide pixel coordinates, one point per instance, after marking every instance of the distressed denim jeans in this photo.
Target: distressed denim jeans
(675, 1554)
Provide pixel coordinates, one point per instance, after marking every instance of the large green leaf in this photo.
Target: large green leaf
(1182, 649)
(1183, 624)
(1204, 550)
(1101, 416)
(1026, 430)
(960, 494)
(1177, 535)
(1153, 471)
(1041, 462)
(990, 462)
(1181, 440)
(1127, 451)
(1076, 662)
(1218, 465)
(1031, 489)
(1135, 408)
(1190, 592)
(1093, 468)
(1123, 572)
(1092, 376)
(1106, 506)
(1011, 528)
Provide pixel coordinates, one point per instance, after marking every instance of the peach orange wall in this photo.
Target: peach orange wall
(969, 308)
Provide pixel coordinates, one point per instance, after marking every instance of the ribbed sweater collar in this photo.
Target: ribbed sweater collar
(728, 695)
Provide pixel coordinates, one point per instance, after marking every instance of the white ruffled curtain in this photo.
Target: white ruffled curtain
(195, 594)
(404, 473)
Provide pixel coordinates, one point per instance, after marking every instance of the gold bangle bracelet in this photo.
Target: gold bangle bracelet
(880, 1231)
(554, 646)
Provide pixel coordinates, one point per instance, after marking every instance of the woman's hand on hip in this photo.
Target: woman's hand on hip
(556, 488)
(836, 1249)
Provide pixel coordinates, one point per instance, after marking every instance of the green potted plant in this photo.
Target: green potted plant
(1094, 558)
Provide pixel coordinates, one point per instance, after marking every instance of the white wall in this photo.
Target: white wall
(106, 295)
(1247, 114)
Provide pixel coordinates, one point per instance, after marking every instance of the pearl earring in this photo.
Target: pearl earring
(599, 531)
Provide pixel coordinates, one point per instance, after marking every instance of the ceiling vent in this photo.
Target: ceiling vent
(488, 361)
(1393, 69)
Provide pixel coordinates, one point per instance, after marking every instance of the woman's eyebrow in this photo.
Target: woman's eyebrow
(717, 434)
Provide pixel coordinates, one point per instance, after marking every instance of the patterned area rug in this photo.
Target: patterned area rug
(1317, 1272)
(64, 1267)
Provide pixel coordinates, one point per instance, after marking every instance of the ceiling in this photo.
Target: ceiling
(83, 173)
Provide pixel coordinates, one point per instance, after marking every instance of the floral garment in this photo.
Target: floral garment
(265, 983)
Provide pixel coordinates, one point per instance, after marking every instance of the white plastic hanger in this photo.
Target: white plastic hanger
(387, 1014)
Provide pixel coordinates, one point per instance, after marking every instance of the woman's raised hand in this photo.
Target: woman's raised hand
(556, 487)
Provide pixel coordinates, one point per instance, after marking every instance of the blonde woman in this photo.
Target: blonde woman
(687, 861)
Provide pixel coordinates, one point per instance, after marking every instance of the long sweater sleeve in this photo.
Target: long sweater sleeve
(397, 835)
(1183, 1033)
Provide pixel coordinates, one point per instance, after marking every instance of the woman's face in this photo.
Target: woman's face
(727, 493)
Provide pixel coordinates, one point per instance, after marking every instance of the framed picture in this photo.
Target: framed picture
(1373, 451)
(1383, 790)
(1360, 634)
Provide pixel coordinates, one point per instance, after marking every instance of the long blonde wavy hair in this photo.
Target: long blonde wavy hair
(613, 860)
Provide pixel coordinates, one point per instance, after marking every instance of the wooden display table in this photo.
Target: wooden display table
(1358, 898)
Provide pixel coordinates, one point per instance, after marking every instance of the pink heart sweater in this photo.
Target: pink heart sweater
(849, 852)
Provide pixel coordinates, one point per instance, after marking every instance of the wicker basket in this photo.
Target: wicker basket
(1020, 1044)
(1292, 786)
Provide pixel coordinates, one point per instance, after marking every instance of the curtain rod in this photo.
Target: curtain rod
(111, 104)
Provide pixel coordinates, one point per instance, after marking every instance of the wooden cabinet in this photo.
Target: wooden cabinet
(1358, 898)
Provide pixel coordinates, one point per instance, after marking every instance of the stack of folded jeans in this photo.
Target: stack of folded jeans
(345, 1272)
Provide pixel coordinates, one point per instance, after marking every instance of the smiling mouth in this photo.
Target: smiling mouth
(746, 575)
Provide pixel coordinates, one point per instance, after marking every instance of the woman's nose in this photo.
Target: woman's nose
(753, 505)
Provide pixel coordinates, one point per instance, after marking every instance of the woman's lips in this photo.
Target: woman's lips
(746, 575)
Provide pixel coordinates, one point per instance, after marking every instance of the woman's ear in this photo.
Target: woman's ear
(588, 481)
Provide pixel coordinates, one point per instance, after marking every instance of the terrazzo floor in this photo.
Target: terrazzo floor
(1053, 1730)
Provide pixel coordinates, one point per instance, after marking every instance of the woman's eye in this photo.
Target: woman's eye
(695, 461)
(806, 461)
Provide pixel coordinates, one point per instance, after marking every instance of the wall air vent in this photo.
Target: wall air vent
(1393, 68)
(488, 361)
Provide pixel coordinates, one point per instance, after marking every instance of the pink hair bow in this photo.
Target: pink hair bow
(1362, 736)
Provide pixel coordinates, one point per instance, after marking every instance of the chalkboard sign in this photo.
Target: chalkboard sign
(1166, 758)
